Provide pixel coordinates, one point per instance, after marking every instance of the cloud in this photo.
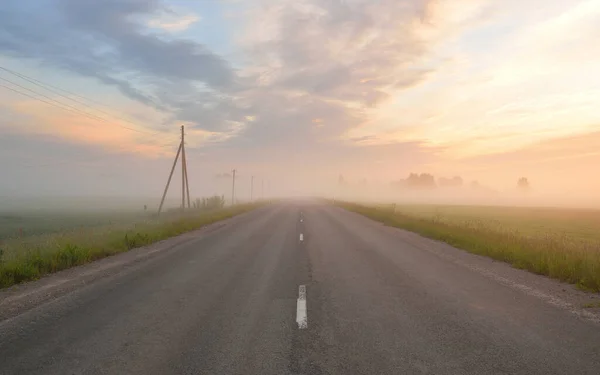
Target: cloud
(523, 75)
(111, 22)
(104, 41)
(336, 61)
(317, 81)
(173, 24)
(349, 51)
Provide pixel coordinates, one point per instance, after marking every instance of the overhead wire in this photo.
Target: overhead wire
(56, 103)
(59, 104)
(71, 108)
(21, 75)
(41, 97)
(74, 109)
(55, 90)
(33, 97)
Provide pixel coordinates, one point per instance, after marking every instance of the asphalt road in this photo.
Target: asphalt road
(226, 301)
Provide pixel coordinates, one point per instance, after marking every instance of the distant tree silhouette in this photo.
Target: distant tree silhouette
(427, 180)
(424, 180)
(523, 184)
(413, 180)
(210, 203)
(450, 182)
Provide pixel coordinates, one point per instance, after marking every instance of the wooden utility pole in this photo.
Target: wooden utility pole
(251, 188)
(169, 180)
(184, 177)
(185, 185)
(233, 189)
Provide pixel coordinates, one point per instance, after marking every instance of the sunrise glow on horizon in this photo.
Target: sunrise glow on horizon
(486, 89)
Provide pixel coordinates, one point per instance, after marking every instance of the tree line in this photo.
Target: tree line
(428, 181)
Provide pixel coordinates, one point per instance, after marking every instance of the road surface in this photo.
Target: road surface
(296, 288)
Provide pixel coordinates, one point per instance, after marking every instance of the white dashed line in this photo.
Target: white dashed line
(301, 317)
(301, 220)
(301, 237)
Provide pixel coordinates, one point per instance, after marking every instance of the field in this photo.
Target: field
(14, 225)
(530, 221)
(35, 244)
(560, 243)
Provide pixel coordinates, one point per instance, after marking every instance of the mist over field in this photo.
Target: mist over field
(442, 191)
(93, 96)
(299, 186)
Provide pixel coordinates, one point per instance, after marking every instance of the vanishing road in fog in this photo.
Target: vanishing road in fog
(296, 288)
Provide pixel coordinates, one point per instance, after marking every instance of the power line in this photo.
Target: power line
(33, 97)
(65, 107)
(68, 108)
(54, 89)
(49, 85)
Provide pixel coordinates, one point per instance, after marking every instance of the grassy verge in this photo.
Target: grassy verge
(30, 258)
(567, 258)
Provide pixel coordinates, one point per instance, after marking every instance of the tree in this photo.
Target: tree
(523, 184)
(427, 180)
(413, 180)
(424, 180)
(210, 203)
(450, 182)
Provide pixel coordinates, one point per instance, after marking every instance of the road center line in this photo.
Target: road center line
(301, 317)
(301, 237)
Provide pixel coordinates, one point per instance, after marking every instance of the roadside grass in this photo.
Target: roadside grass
(531, 221)
(29, 223)
(30, 258)
(562, 255)
(591, 305)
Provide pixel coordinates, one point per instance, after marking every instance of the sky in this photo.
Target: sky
(297, 92)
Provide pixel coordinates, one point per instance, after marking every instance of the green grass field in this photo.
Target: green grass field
(560, 243)
(531, 221)
(91, 237)
(25, 224)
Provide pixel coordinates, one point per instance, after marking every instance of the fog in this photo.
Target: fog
(91, 111)
(269, 187)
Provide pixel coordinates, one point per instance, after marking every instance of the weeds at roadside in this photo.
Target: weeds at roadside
(30, 258)
(569, 259)
(592, 305)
